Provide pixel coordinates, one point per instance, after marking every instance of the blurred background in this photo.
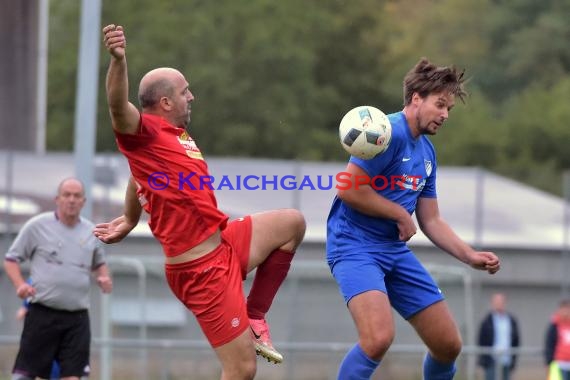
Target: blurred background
(272, 81)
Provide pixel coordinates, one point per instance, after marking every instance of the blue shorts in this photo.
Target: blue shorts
(393, 270)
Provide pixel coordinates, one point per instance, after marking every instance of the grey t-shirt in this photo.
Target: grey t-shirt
(61, 260)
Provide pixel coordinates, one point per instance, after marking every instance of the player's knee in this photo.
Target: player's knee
(298, 221)
(454, 349)
(301, 226)
(248, 369)
(297, 225)
(448, 350)
(245, 371)
(375, 345)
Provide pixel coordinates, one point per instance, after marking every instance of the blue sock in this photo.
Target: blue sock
(434, 370)
(356, 365)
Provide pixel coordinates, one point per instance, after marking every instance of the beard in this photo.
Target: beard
(424, 128)
(185, 121)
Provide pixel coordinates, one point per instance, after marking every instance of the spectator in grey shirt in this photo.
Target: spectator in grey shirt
(63, 253)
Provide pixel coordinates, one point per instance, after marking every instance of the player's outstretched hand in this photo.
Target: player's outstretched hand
(484, 260)
(114, 231)
(115, 41)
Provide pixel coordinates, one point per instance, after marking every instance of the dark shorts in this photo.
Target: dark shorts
(211, 286)
(50, 335)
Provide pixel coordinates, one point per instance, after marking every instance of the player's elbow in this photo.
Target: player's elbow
(124, 120)
(343, 195)
(349, 196)
(430, 225)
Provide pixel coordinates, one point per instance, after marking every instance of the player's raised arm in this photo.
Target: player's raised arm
(125, 116)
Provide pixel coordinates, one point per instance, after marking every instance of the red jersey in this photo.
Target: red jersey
(562, 349)
(172, 177)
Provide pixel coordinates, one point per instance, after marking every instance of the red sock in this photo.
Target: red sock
(268, 278)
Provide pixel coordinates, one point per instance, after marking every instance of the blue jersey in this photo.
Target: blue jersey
(402, 174)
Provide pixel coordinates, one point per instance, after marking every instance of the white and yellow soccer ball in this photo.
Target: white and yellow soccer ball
(365, 132)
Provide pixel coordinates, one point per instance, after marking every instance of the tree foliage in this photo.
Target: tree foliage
(273, 79)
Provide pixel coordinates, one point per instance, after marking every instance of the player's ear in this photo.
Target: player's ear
(416, 98)
(165, 103)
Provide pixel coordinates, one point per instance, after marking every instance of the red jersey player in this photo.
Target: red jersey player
(207, 257)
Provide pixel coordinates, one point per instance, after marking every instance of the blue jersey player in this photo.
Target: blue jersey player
(369, 225)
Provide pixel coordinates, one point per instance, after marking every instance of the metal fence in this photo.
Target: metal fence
(165, 359)
(147, 358)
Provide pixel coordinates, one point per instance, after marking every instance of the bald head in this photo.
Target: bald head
(70, 184)
(165, 92)
(156, 84)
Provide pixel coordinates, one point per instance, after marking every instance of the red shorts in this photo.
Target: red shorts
(211, 286)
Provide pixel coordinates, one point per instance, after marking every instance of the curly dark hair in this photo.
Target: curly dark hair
(425, 78)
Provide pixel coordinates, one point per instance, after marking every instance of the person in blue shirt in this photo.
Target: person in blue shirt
(368, 227)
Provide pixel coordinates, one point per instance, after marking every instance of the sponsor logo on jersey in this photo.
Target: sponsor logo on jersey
(190, 146)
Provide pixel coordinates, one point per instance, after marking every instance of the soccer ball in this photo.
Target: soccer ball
(365, 132)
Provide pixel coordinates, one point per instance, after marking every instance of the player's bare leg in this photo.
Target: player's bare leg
(275, 237)
(436, 327)
(372, 315)
(238, 358)
(277, 229)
